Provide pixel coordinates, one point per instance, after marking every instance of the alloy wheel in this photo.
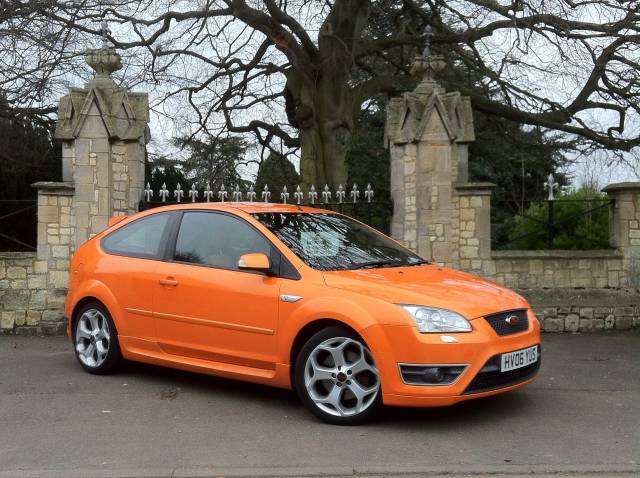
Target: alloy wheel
(92, 338)
(341, 378)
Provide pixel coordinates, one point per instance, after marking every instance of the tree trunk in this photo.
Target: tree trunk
(324, 115)
(322, 103)
(324, 152)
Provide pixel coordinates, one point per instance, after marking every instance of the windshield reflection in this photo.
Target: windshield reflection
(330, 242)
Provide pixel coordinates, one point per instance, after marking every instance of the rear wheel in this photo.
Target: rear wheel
(96, 340)
(337, 379)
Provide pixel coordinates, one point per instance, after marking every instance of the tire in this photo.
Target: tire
(95, 340)
(336, 377)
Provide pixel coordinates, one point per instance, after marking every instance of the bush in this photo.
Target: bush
(581, 219)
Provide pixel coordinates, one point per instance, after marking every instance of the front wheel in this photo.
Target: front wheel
(337, 379)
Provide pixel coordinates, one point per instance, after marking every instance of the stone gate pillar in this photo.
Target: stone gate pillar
(427, 132)
(104, 132)
(624, 231)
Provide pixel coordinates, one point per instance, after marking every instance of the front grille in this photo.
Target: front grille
(491, 378)
(499, 322)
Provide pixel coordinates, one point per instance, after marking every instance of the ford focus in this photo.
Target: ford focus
(298, 298)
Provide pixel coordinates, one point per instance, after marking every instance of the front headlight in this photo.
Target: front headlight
(430, 319)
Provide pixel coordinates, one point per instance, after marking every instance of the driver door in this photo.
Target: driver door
(204, 306)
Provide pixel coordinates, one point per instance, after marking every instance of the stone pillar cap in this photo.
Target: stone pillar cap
(54, 187)
(629, 186)
(125, 114)
(426, 69)
(104, 61)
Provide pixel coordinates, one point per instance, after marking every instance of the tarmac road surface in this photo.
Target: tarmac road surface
(581, 417)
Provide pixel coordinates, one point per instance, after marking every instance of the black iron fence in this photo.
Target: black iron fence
(18, 225)
(555, 224)
(355, 203)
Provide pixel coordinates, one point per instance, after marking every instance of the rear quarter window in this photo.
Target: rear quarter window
(141, 238)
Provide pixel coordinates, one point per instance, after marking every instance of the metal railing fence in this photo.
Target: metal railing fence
(360, 204)
(18, 225)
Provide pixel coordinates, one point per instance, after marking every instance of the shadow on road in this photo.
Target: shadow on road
(174, 382)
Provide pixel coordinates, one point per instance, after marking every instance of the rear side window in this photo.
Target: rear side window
(217, 240)
(141, 238)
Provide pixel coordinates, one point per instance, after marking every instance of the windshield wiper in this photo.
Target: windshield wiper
(387, 263)
(376, 264)
(418, 263)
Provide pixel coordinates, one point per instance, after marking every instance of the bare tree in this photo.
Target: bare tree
(295, 73)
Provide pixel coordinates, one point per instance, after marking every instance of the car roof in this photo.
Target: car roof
(248, 207)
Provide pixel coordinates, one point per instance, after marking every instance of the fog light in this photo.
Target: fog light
(433, 375)
(430, 374)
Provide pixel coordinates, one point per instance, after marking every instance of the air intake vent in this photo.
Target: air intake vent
(491, 378)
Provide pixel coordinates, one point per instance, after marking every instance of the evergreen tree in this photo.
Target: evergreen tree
(27, 154)
(276, 172)
(214, 160)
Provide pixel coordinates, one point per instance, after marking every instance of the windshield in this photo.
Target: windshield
(334, 242)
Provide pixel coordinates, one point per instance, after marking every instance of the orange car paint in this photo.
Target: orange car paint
(233, 324)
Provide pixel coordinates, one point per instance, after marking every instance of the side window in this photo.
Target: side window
(217, 240)
(141, 238)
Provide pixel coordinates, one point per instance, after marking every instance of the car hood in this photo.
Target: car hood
(429, 285)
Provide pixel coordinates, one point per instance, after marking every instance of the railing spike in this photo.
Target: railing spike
(340, 194)
(237, 194)
(148, 193)
(298, 195)
(313, 194)
(164, 192)
(208, 193)
(355, 194)
(368, 193)
(222, 193)
(266, 194)
(284, 195)
(326, 194)
(193, 193)
(251, 195)
(178, 193)
(551, 185)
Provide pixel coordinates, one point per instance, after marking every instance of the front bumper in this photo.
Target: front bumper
(392, 345)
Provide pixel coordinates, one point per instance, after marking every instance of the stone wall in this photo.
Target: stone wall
(557, 269)
(472, 229)
(585, 310)
(33, 286)
(28, 305)
(577, 281)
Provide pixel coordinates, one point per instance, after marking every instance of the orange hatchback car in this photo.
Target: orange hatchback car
(295, 297)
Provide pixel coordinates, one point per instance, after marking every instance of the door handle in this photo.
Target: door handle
(168, 282)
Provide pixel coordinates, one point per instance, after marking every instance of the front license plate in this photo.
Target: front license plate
(518, 359)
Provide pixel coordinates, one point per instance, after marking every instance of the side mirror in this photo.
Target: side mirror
(256, 261)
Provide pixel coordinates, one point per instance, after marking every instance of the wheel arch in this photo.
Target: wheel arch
(309, 330)
(316, 314)
(94, 291)
(80, 304)
(312, 328)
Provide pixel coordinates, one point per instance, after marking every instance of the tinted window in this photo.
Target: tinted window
(217, 240)
(140, 238)
(334, 242)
